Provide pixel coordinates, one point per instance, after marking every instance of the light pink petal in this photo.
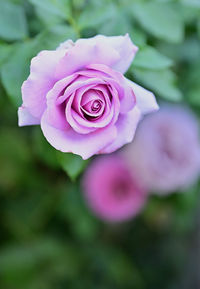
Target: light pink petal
(76, 85)
(25, 118)
(70, 115)
(70, 141)
(84, 53)
(145, 99)
(123, 45)
(56, 94)
(56, 116)
(40, 81)
(126, 127)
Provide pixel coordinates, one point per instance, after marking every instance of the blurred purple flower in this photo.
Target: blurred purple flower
(166, 150)
(111, 191)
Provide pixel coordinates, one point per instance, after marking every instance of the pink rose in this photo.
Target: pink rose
(166, 150)
(111, 191)
(81, 99)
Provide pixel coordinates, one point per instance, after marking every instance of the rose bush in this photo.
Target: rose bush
(81, 99)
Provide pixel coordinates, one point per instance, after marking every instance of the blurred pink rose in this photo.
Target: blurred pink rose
(81, 99)
(166, 150)
(111, 191)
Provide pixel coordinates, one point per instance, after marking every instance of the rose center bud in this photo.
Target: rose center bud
(96, 106)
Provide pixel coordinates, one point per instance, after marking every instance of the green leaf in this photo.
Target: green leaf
(51, 38)
(193, 96)
(95, 15)
(179, 52)
(59, 8)
(162, 82)
(5, 50)
(119, 24)
(13, 24)
(159, 19)
(15, 71)
(149, 58)
(72, 164)
(192, 3)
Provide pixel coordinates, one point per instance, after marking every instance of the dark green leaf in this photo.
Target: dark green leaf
(72, 164)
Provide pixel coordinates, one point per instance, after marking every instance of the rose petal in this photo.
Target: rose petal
(117, 80)
(25, 118)
(76, 85)
(84, 53)
(70, 141)
(73, 118)
(40, 81)
(126, 127)
(123, 45)
(145, 99)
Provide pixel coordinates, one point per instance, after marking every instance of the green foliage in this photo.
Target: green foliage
(49, 238)
(149, 58)
(72, 164)
(15, 70)
(13, 25)
(160, 19)
(60, 8)
(163, 82)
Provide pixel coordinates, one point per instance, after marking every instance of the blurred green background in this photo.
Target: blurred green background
(48, 237)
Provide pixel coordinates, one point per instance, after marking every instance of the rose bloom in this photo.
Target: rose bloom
(111, 191)
(166, 150)
(79, 96)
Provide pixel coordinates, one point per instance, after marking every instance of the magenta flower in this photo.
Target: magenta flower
(111, 191)
(81, 99)
(166, 150)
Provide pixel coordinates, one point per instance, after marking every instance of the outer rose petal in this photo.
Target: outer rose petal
(70, 141)
(83, 53)
(40, 81)
(125, 48)
(126, 127)
(145, 99)
(25, 118)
